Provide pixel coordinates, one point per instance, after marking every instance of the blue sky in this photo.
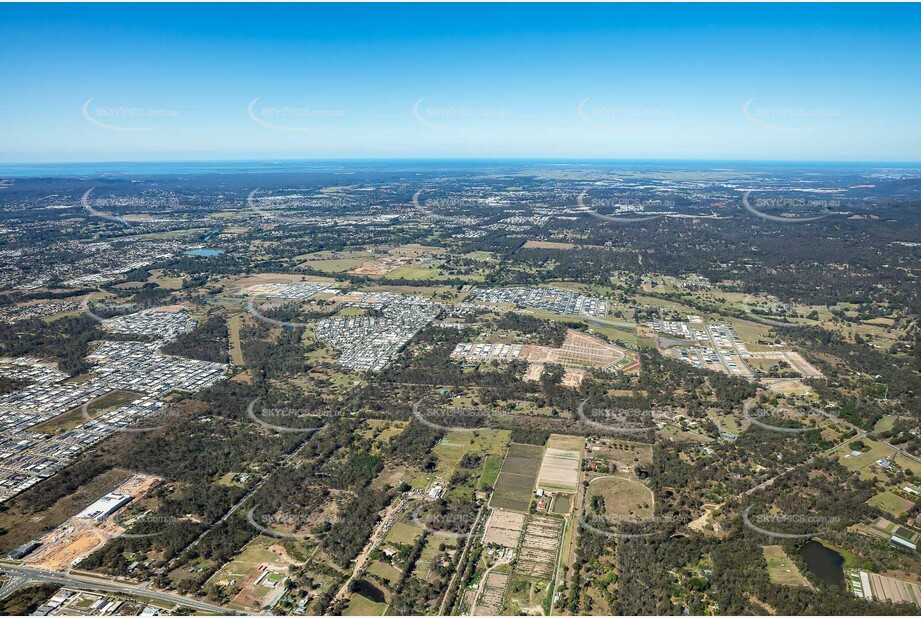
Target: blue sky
(113, 82)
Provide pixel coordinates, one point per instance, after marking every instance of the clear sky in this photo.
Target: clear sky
(118, 82)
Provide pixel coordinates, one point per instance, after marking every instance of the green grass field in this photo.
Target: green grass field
(75, 417)
(781, 569)
(363, 606)
(457, 443)
(404, 533)
(490, 472)
(387, 572)
(891, 503)
(861, 463)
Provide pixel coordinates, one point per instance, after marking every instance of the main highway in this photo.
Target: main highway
(20, 575)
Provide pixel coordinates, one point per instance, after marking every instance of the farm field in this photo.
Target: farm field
(882, 588)
(515, 484)
(504, 528)
(489, 598)
(360, 605)
(539, 547)
(559, 469)
(490, 472)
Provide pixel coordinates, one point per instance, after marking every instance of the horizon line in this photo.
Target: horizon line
(423, 159)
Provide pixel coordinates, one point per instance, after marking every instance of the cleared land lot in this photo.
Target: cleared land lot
(559, 469)
(515, 484)
(259, 556)
(624, 499)
(781, 569)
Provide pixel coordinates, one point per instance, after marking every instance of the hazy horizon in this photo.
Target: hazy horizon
(116, 82)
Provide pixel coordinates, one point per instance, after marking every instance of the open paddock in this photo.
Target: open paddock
(624, 499)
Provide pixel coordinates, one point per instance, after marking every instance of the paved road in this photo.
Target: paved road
(105, 584)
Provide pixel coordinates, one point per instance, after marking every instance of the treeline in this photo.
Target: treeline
(208, 342)
(65, 340)
(900, 375)
(530, 436)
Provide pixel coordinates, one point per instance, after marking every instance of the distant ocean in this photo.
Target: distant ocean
(120, 168)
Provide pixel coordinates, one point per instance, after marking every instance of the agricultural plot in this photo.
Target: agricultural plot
(873, 586)
(489, 601)
(504, 528)
(539, 548)
(525, 596)
(515, 484)
(559, 469)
